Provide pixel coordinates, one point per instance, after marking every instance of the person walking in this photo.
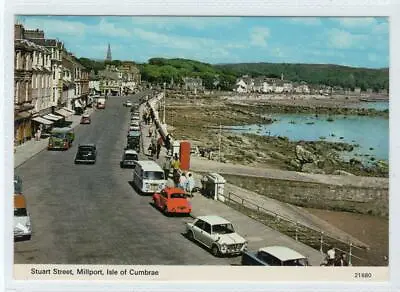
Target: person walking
(343, 262)
(182, 181)
(167, 167)
(331, 256)
(150, 131)
(190, 184)
(158, 150)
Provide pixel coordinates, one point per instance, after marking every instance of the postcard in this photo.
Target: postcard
(193, 148)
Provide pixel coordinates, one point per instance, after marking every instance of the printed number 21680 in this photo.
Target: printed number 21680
(363, 275)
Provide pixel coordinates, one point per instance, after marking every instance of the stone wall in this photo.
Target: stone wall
(370, 201)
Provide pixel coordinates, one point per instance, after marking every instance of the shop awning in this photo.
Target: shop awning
(68, 110)
(51, 117)
(22, 115)
(42, 121)
(59, 117)
(63, 112)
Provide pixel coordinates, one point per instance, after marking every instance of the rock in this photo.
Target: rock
(341, 172)
(295, 164)
(303, 155)
(277, 155)
(312, 168)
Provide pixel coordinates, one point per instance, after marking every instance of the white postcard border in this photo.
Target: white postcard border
(242, 8)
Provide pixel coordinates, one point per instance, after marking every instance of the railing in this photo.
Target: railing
(310, 236)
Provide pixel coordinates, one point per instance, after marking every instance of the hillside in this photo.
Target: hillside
(333, 75)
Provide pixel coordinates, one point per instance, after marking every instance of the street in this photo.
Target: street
(90, 214)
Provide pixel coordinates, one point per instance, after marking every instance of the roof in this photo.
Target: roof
(87, 145)
(283, 253)
(19, 201)
(213, 219)
(130, 151)
(149, 165)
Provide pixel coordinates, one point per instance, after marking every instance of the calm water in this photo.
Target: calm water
(371, 133)
(378, 105)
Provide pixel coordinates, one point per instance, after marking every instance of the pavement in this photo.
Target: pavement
(202, 164)
(255, 232)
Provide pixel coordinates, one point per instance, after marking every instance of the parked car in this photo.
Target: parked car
(134, 124)
(135, 118)
(129, 158)
(133, 141)
(148, 177)
(133, 128)
(128, 103)
(17, 185)
(172, 200)
(85, 119)
(217, 234)
(61, 138)
(86, 153)
(22, 220)
(133, 133)
(274, 256)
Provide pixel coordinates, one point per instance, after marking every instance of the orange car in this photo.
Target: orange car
(172, 200)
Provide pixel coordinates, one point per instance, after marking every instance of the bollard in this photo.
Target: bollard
(350, 254)
(322, 242)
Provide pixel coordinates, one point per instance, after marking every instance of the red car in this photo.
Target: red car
(172, 200)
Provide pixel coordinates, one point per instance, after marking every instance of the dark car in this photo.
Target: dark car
(129, 158)
(86, 154)
(85, 119)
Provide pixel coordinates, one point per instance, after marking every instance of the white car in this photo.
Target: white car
(134, 124)
(128, 103)
(217, 234)
(134, 128)
(135, 118)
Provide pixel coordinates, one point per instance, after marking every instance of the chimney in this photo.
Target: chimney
(18, 31)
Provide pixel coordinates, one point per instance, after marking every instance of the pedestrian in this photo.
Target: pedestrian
(343, 260)
(190, 184)
(150, 131)
(331, 256)
(182, 181)
(158, 150)
(175, 163)
(167, 167)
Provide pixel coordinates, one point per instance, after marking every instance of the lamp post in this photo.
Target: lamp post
(164, 105)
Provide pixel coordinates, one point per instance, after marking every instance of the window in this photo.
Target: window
(200, 224)
(17, 92)
(178, 196)
(27, 91)
(156, 175)
(223, 229)
(17, 60)
(54, 73)
(207, 227)
(269, 259)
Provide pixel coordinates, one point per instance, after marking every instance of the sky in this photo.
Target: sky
(356, 42)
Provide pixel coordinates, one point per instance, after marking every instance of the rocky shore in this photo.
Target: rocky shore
(200, 120)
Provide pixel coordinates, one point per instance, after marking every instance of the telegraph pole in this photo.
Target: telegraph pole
(219, 143)
(164, 106)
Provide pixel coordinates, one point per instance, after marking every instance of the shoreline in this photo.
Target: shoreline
(199, 120)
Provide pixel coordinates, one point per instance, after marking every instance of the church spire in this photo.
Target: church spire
(109, 58)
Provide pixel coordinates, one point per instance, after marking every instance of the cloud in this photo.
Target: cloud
(259, 36)
(342, 39)
(109, 29)
(170, 23)
(306, 20)
(357, 22)
(55, 27)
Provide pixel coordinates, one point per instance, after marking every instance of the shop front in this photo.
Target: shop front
(22, 128)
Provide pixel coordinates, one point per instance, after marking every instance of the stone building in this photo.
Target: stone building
(32, 86)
